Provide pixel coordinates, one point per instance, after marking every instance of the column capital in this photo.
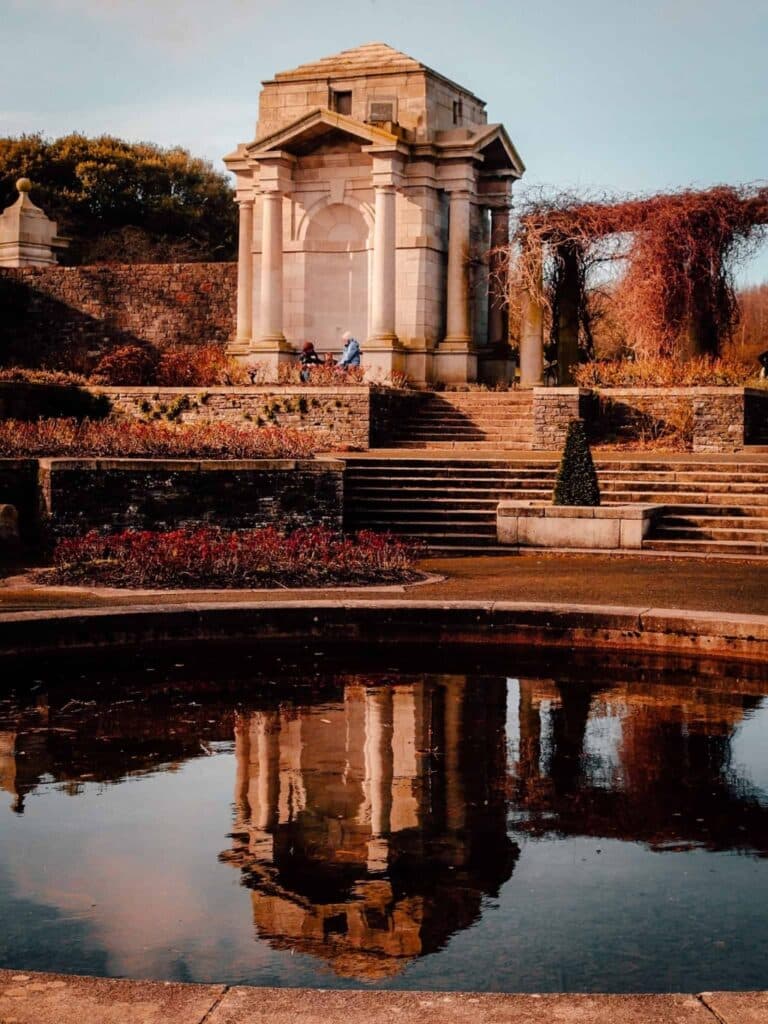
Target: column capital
(387, 164)
(276, 172)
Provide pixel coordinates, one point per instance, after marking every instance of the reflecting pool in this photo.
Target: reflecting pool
(557, 824)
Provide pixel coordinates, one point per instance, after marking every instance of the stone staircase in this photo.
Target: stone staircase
(466, 421)
(449, 503)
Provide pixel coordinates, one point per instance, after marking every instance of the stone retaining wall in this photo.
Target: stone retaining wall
(117, 494)
(69, 496)
(18, 487)
(341, 414)
(707, 419)
(553, 410)
(54, 315)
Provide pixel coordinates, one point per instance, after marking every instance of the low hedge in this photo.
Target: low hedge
(155, 439)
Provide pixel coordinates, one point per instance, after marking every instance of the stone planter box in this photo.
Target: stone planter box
(538, 524)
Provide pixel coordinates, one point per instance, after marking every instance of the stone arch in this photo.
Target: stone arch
(336, 243)
(327, 216)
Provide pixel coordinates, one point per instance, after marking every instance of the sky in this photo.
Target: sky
(624, 96)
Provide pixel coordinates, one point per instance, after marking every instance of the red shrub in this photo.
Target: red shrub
(198, 366)
(156, 439)
(215, 558)
(129, 366)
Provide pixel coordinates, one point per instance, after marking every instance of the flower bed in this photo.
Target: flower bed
(214, 558)
(155, 439)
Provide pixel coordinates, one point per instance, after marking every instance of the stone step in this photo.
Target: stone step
(420, 528)
(663, 531)
(706, 547)
(462, 434)
(465, 445)
(683, 521)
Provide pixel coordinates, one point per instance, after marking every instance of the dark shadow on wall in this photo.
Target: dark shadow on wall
(69, 317)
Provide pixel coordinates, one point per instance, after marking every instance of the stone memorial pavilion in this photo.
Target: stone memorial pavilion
(369, 201)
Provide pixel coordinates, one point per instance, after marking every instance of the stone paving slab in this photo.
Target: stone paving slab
(296, 1006)
(738, 1007)
(30, 998)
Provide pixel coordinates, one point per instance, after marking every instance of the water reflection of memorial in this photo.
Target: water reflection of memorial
(372, 829)
(637, 762)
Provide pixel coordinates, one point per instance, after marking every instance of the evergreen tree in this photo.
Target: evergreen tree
(576, 482)
(124, 202)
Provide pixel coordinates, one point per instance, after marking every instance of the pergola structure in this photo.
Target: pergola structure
(678, 285)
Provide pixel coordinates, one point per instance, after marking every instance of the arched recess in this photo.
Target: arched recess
(336, 243)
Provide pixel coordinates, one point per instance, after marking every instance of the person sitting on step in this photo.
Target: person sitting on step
(350, 355)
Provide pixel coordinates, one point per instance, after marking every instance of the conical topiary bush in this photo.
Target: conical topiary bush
(576, 482)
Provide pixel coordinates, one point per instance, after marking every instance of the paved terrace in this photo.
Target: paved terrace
(27, 998)
(694, 584)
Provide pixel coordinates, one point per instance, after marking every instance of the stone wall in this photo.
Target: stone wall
(18, 487)
(116, 494)
(389, 406)
(708, 419)
(55, 315)
(342, 414)
(553, 409)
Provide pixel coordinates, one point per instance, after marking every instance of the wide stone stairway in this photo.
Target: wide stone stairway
(712, 506)
(467, 421)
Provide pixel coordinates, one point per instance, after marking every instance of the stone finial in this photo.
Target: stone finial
(27, 237)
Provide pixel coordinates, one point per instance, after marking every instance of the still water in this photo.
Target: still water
(560, 825)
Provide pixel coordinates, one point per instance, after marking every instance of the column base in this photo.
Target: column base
(239, 348)
(268, 355)
(383, 355)
(455, 361)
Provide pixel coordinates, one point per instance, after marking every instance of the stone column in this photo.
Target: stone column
(271, 318)
(458, 318)
(532, 337)
(384, 269)
(245, 271)
(497, 309)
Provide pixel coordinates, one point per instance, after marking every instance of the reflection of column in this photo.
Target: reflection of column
(242, 763)
(245, 271)
(455, 802)
(292, 794)
(263, 752)
(499, 254)
(384, 265)
(271, 321)
(530, 736)
(458, 318)
(378, 771)
(404, 766)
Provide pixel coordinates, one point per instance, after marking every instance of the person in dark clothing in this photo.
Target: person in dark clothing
(307, 359)
(763, 360)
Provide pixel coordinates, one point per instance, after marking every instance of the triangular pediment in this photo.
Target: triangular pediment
(321, 128)
(489, 142)
(498, 150)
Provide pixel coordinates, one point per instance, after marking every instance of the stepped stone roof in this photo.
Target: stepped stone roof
(368, 59)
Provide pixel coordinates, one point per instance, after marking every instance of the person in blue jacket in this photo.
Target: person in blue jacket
(350, 355)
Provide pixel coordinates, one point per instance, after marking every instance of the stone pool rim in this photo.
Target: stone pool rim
(641, 629)
(70, 999)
